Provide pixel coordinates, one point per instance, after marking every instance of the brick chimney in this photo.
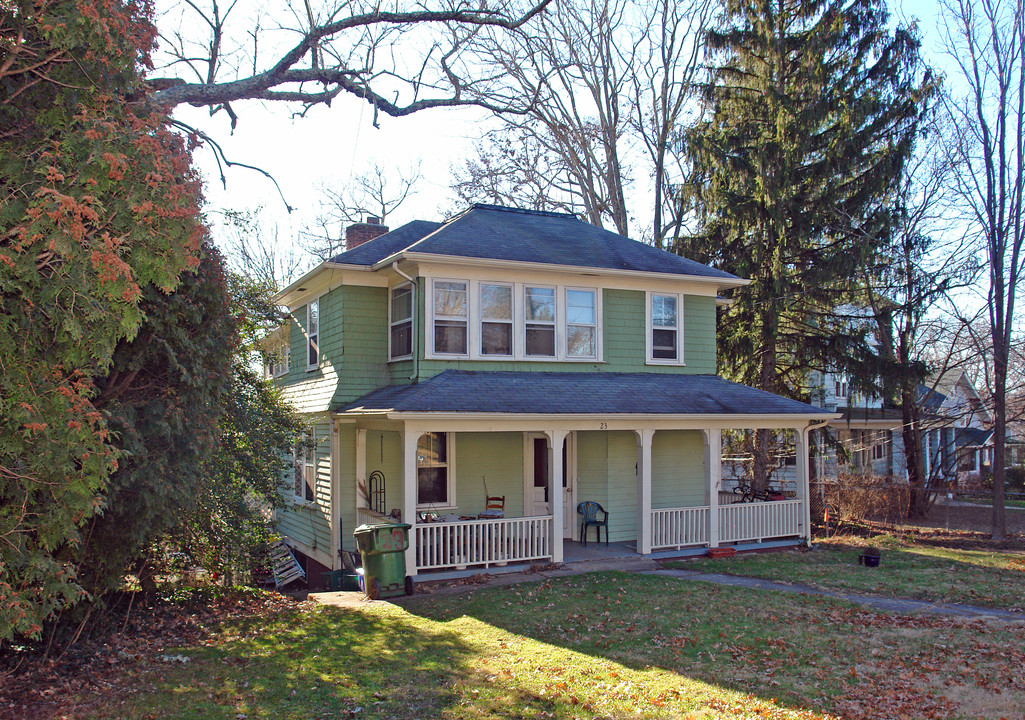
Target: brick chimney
(359, 233)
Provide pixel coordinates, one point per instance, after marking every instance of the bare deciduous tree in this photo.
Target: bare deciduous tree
(400, 61)
(577, 66)
(378, 192)
(986, 41)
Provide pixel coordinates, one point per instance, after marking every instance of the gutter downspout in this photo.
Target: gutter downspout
(413, 329)
(805, 432)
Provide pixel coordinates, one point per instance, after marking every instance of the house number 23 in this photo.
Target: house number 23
(603, 426)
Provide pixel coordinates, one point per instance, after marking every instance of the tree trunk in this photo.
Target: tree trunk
(918, 485)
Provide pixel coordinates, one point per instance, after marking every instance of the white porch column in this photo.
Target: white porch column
(409, 441)
(556, 495)
(713, 463)
(644, 438)
(361, 468)
(803, 480)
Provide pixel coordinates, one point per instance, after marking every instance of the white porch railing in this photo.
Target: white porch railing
(482, 542)
(759, 520)
(676, 527)
(366, 516)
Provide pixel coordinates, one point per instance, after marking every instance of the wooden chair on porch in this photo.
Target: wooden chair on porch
(589, 511)
(494, 507)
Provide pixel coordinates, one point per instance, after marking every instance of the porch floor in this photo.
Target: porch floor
(573, 551)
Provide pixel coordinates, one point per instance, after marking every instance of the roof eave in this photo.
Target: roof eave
(297, 288)
(721, 282)
(393, 414)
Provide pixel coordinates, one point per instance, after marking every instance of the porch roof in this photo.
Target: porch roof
(459, 392)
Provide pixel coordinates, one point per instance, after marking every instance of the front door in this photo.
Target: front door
(538, 475)
(569, 486)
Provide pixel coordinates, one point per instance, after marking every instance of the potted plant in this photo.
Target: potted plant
(870, 557)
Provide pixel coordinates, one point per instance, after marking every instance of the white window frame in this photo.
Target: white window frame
(650, 327)
(465, 318)
(278, 357)
(879, 441)
(305, 467)
(511, 322)
(392, 322)
(450, 474)
(313, 339)
(474, 344)
(524, 321)
(566, 324)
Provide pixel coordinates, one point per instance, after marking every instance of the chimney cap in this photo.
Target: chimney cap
(373, 220)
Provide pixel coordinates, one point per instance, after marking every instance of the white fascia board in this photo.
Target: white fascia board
(863, 424)
(429, 258)
(483, 422)
(324, 278)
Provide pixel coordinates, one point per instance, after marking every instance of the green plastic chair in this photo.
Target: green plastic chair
(589, 510)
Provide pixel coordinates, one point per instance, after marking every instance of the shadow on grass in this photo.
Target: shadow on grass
(328, 662)
(767, 645)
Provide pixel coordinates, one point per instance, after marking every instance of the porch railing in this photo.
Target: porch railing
(677, 527)
(366, 516)
(482, 542)
(759, 520)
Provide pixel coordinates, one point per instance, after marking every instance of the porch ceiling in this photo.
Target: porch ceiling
(461, 393)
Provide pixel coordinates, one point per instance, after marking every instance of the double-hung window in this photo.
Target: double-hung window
(664, 312)
(313, 335)
(277, 360)
(305, 467)
(401, 326)
(450, 315)
(581, 324)
(539, 316)
(496, 319)
(433, 471)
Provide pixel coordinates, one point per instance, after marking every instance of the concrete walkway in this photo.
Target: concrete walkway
(647, 566)
(901, 606)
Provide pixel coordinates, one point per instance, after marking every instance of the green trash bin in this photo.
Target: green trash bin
(382, 549)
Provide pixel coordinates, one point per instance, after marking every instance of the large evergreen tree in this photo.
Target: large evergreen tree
(811, 110)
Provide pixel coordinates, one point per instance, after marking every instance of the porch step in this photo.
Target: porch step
(286, 568)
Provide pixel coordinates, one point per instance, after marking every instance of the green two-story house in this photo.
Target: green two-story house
(526, 357)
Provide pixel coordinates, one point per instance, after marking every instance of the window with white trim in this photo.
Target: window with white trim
(539, 321)
(400, 338)
(664, 329)
(496, 319)
(879, 442)
(277, 360)
(842, 387)
(304, 460)
(313, 335)
(433, 471)
(450, 312)
(581, 324)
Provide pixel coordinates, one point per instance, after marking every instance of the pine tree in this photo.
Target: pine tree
(811, 111)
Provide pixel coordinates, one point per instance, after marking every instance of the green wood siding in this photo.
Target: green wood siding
(678, 469)
(353, 349)
(495, 457)
(384, 453)
(606, 473)
(309, 523)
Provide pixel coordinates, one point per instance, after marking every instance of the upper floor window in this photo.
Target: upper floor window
(513, 321)
(581, 324)
(664, 330)
(277, 360)
(496, 319)
(539, 316)
(450, 313)
(313, 334)
(401, 325)
(842, 387)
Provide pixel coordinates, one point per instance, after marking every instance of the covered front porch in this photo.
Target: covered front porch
(648, 448)
(661, 487)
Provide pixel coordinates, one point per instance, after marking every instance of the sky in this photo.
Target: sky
(331, 145)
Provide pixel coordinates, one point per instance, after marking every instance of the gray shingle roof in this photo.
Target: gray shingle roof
(556, 393)
(500, 233)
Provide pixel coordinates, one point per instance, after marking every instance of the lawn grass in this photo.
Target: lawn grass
(909, 568)
(606, 645)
